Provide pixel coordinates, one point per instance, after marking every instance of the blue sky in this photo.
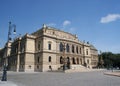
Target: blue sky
(96, 21)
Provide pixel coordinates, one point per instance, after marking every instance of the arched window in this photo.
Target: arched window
(80, 50)
(49, 59)
(61, 47)
(72, 48)
(67, 48)
(61, 60)
(77, 49)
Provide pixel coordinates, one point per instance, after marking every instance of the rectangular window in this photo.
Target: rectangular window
(49, 59)
(39, 43)
(49, 46)
(86, 51)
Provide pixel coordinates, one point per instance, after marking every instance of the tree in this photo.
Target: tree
(111, 60)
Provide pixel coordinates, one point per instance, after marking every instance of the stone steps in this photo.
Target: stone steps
(77, 68)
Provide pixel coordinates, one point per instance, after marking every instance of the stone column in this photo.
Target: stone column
(18, 62)
(18, 57)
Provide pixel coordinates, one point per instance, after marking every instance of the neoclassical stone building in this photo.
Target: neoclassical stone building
(49, 49)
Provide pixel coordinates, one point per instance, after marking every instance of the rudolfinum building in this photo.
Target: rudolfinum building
(48, 49)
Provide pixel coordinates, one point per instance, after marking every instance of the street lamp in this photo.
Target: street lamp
(64, 59)
(101, 60)
(85, 64)
(11, 26)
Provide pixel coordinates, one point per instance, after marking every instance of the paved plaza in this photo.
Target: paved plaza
(93, 78)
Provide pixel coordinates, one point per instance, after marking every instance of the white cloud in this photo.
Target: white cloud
(51, 24)
(66, 22)
(66, 26)
(110, 18)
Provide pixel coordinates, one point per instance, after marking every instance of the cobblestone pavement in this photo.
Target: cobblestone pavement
(94, 78)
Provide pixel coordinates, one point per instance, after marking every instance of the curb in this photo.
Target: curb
(112, 74)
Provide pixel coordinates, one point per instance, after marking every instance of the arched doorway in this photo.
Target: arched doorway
(77, 60)
(61, 60)
(68, 62)
(81, 61)
(73, 61)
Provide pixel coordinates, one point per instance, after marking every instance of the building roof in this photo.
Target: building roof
(92, 47)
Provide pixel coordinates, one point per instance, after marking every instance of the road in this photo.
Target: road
(96, 78)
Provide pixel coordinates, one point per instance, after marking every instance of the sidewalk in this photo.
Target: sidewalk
(113, 73)
(7, 83)
(82, 70)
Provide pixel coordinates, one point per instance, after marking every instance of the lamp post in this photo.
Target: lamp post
(11, 26)
(84, 54)
(101, 60)
(64, 59)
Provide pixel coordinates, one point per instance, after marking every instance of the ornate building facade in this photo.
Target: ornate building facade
(49, 49)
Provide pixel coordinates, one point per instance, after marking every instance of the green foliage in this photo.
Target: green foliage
(110, 59)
